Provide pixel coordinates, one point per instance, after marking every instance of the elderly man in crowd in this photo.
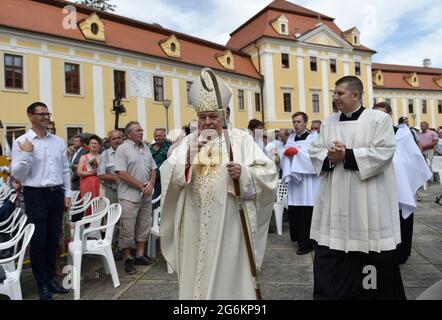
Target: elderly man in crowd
(159, 153)
(106, 171)
(137, 170)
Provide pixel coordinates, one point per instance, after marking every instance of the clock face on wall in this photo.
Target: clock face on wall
(140, 84)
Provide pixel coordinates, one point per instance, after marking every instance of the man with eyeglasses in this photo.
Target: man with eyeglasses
(39, 161)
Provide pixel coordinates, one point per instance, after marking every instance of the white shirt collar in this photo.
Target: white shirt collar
(33, 135)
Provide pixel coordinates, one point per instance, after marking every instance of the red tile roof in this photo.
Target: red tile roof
(300, 19)
(46, 17)
(394, 77)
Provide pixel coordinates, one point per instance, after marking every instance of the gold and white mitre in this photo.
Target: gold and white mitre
(203, 96)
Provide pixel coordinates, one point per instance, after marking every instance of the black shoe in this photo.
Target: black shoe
(129, 266)
(55, 287)
(302, 252)
(118, 255)
(44, 293)
(144, 261)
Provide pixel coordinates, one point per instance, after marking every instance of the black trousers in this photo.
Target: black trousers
(300, 220)
(344, 276)
(404, 248)
(44, 208)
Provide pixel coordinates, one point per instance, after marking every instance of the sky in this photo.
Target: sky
(401, 31)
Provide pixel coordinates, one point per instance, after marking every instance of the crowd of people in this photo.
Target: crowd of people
(344, 201)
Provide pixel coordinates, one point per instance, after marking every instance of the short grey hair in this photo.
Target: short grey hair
(128, 127)
(109, 134)
(159, 129)
(287, 132)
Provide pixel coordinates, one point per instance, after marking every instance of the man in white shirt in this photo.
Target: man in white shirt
(39, 161)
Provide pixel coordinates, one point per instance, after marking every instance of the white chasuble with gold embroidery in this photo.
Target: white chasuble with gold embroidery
(201, 234)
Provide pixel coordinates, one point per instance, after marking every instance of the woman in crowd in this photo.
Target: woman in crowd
(87, 169)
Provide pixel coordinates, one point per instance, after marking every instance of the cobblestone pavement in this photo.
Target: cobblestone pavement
(284, 276)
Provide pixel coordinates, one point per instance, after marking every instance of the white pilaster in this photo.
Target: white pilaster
(176, 103)
(404, 107)
(395, 110)
(141, 112)
(232, 110)
(249, 105)
(370, 86)
(325, 93)
(97, 75)
(417, 111)
(269, 86)
(301, 86)
(45, 72)
(346, 68)
(433, 113)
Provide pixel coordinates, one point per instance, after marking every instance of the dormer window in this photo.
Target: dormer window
(281, 25)
(412, 79)
(353, 36)
(379, 77)
(171, 47)
(95, 28)
(227, 60)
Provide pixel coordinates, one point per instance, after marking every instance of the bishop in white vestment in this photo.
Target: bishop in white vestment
(201, 234)
(355, 219)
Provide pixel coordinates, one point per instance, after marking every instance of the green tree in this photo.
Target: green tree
(102, 5)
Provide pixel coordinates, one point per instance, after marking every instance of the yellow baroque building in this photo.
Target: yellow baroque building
(79, 68)
(284, 59)
(301, 54)
(413, 92)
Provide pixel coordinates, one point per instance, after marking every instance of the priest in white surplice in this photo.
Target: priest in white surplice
(302, 181)
(201, 234)
(411, 171)
(355, 219)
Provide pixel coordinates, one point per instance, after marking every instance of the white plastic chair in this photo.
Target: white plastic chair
(11, 220)
(74, 196)
(155, 233)
(78, 203)
(437, 168)
(279, 205)
(97, 205)
(11, 285)
(7, 194)
(154, 229)
(81, 245)
(17, 224)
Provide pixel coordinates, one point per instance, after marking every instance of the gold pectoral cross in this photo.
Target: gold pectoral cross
(207, 164)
